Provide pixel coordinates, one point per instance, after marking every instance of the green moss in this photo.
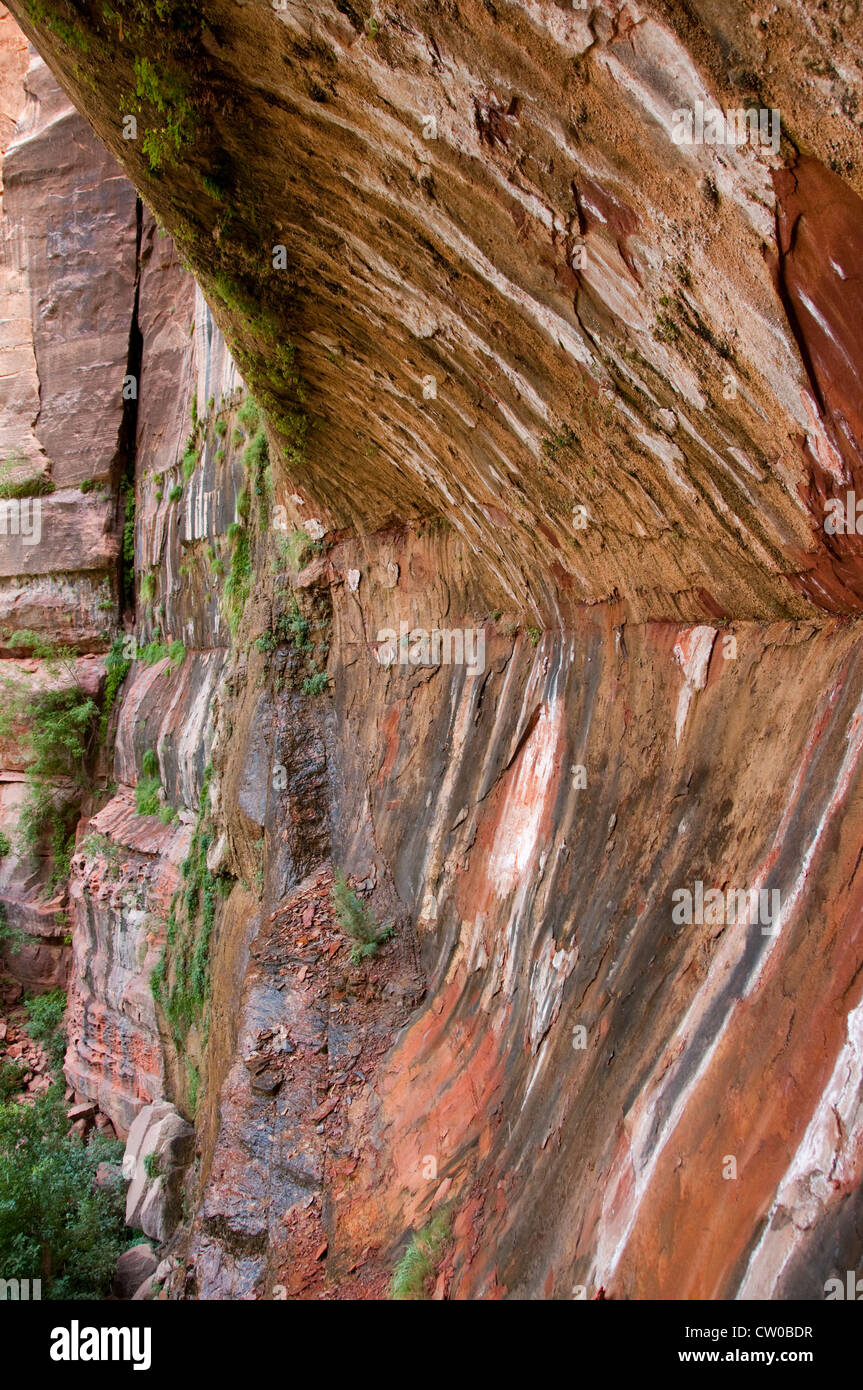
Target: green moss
(166, 94)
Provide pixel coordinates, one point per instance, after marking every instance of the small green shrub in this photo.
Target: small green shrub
(12, 1073)
(5, 844)
(316, 684)
(12, 939)
(116, 669)
(55, 1222)
(176, 493)
(152, 1166)
(45, 1024)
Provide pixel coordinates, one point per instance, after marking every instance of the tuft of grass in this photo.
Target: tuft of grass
(45, 1024)
(149, 785)
(27, 487)
(413, 1276)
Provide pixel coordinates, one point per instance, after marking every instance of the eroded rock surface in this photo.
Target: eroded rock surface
(539, 376)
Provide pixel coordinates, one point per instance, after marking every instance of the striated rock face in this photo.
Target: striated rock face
(68, 272)
(123, 876)
(519, 610)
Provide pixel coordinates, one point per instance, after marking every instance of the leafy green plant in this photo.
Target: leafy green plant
(293, 627)
(157, 650)
(176, 493)
(248, 415)
(239, 580)
(148, 588)
(316, 684)
(45, 1024)
(5, 844)
(12, 939)
(190, 458)
(116, 669)
(356, 921)
(152, 1166)
(149, 785)
(12, 1073)
(55, 1222)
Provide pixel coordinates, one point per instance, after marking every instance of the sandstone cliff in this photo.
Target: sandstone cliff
(511, 364)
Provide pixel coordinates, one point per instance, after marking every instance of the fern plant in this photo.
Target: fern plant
(356, 921)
